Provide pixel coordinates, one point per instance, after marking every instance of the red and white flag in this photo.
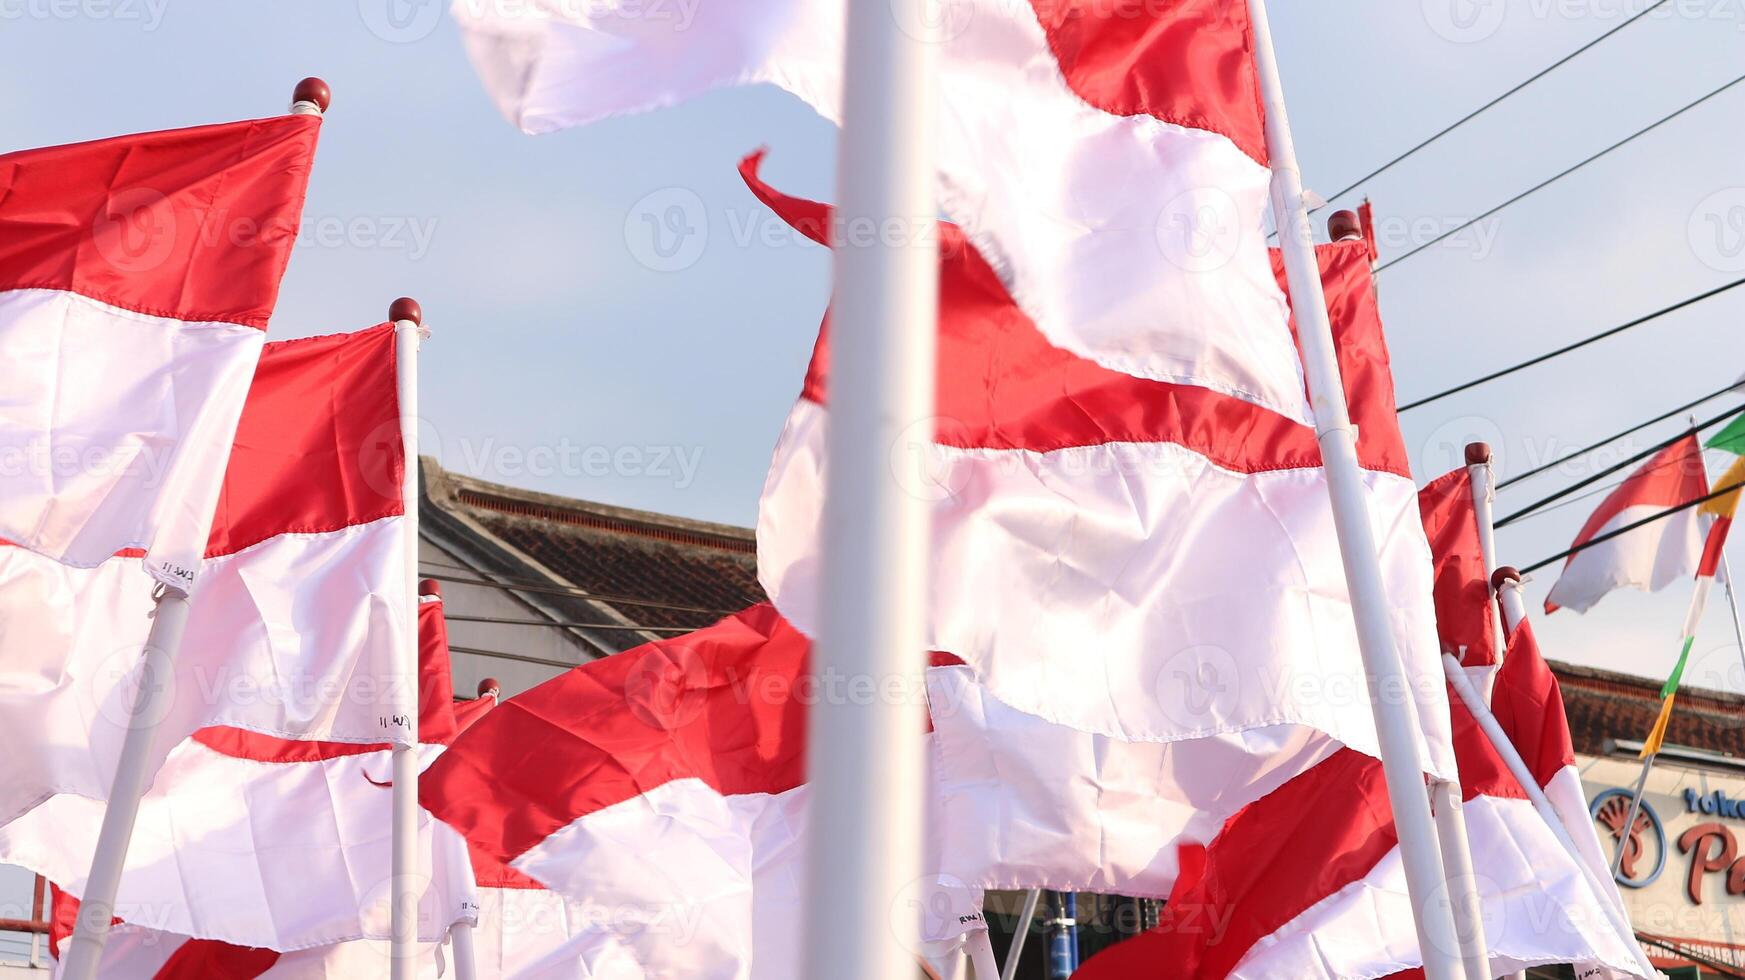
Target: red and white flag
(137, 275)
(301, 606)
(1528, 704)
(1649, 557)
(1130, 558)
(266, 842)
(1466, 617)
(1108, 160)
(1307, 883)
(661, 792)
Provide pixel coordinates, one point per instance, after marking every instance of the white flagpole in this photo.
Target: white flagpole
(1022, 932)
(980, 950)
(866, 769)
(406, 884)
(1506, 583)
(1446, 802)
(151, 702)
(465, 966)
(1396, 734)
(1484, 493)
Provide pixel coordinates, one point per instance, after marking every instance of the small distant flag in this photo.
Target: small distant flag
(1721, 509)
(1649, 557)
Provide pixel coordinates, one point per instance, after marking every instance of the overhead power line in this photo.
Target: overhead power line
(1614, 437)
(547, 588)
(1633, 525)
(1559, 352)
(1474, 114)
(1615, 467)
(1558, 176)
(627, 627)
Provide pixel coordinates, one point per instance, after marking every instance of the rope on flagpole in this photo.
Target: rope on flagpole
(1559, 176)
(1615, 467)
(1559, 352)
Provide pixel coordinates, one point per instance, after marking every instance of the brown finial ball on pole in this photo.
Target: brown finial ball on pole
(1478, 453)
(430, 586)
(313, 91)
(490, 688)
(1503, 576)
(405, 308)
(1344, 226)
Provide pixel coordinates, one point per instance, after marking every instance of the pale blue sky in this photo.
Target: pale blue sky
(552, 337)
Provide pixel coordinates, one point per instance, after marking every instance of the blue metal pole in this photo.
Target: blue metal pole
(1063, 936)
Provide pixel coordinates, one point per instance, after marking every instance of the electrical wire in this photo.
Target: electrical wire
(1583, 451)
(519, 658)
(1557, 177)
(1559, 352)
(627, 627)
(1633, 525)
(547, 588)
(1615, 467)
(1469, 117)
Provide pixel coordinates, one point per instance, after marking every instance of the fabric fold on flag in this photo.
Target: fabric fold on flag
(1307, 883)
(266, 842)
(1649, 557)
(1125, 557)
(301, 607)
(137, 275)
(666, 785)
(1110, 164)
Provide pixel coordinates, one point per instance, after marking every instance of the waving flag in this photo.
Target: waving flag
(137, 275)
(665, 785)
(294, 629)
(266, 842)
(1465, 615)
(1124, 557)
(1109, 162)
(1649, 557)
(1307, 883)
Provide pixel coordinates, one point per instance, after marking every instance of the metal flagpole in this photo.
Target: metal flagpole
(406, 881)
(866, 766)
(981, 955)
(465, 966)
(1446, 802)
(1506, 583)
(1019, 934)
(152, 700)
(1484, 494)
(1733, 603)
(1396, 734)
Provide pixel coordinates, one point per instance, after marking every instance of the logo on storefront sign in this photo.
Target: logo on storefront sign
(1610, 809)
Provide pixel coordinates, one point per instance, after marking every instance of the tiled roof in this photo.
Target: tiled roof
(653, 569)
(1603, 704)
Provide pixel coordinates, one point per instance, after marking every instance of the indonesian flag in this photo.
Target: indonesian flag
(660, 790)
(302, 608)
(1649, 557)
(1307, 883)
(266, 842)
(1107, 160)
(1465, 615)
(1528, 704)
(137, 275)
(1123, 557)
